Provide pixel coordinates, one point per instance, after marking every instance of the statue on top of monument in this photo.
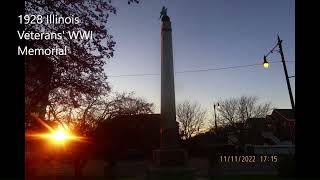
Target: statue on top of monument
(163, 12)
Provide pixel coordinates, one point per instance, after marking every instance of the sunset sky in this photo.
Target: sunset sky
(207, 34)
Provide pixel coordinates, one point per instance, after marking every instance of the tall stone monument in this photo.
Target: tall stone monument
(170, 160)
(169, 130)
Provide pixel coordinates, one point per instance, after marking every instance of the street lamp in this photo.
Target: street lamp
(266, 65)
(215, 115)
(265, 62)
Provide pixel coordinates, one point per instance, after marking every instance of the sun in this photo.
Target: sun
(60, 135)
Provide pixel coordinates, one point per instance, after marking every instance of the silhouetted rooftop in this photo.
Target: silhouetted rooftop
(142, 119)
(286, 113)
(139, 116)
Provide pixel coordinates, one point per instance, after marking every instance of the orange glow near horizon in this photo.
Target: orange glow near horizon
(57, 136)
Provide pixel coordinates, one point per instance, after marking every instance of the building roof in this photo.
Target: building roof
(129, 132)
(255, 120)
(284, 113)
(139, 116)
(149, 121)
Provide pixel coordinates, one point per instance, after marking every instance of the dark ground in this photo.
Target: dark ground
(135, 170)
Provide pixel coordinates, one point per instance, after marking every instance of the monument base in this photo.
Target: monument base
(169, 164)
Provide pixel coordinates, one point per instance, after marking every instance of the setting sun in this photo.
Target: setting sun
(60, 135)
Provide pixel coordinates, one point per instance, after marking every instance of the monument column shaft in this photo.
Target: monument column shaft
(169, 161)
(169, 131)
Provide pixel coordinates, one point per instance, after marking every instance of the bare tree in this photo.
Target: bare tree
(125, 104)
(238, 110)
(227, 111)
(248, 107)
(191, 119)
(84, 119)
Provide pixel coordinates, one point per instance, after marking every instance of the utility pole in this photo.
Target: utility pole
(215, 116)
(285, 72)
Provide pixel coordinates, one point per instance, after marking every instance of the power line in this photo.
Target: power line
(197, 70)
(124, 75)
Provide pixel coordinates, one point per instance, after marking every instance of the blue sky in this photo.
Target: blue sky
(206, 34)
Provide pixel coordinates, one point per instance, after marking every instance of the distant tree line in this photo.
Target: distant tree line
(238, 110)
(231, 111)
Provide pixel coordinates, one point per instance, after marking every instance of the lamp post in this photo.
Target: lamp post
(215, 115)
(266, 65)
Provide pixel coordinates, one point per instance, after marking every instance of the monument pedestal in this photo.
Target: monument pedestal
(170, 164)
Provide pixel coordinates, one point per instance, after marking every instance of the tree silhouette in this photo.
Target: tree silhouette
(92, 111)
(191, 119)
(238, 110)
(69, 78)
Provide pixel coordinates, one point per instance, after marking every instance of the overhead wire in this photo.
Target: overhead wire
(196, 70)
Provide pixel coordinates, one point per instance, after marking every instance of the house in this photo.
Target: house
(254, 128)
(275, 129)
(274, 134)
(128, 133)
(282, 122)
